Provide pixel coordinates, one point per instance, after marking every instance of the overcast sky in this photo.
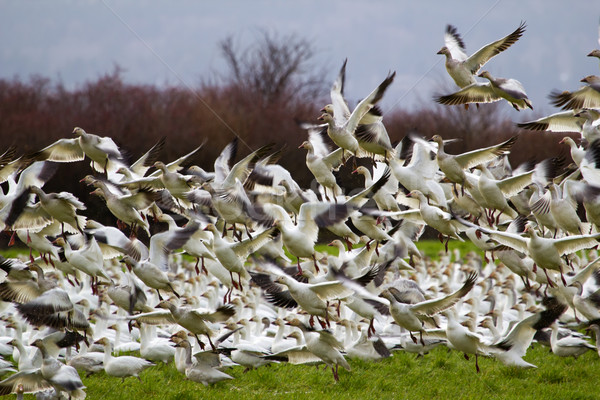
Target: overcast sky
(175, 43)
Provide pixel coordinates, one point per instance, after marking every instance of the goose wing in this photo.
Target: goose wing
(483, 55)
(434, 306)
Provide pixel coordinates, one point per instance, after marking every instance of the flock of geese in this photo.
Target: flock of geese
(209, 269)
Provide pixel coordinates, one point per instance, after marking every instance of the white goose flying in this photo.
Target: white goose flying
(461, 68)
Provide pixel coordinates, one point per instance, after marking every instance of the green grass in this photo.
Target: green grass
(440, 374)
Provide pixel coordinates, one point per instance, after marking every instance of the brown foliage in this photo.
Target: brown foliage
(36, 113)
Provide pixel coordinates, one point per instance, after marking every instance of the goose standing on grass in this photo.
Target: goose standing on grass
(122, 366)
(568, 346)
(461, 68)
(325, 346)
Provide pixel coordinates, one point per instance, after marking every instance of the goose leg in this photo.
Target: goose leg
(414, 339)
(233, 280)
(371, 330)
(211, 343)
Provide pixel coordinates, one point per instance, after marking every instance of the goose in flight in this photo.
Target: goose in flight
(370, 131)
(462, 68)
(103, 152)
(587, 96)
(341, 129)
(586, 122)
(496, 89)
(454, 166)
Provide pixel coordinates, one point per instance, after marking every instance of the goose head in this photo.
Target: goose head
(485, 74)
(594, 53)
(326, 118)
(444, 50)
(77, 131)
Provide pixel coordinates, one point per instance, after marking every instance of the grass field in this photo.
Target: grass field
(440, 374)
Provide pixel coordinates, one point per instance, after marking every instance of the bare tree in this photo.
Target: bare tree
(274, 68)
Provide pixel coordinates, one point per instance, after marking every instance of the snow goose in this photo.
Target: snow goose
(151, 270)
(126, 208)
(323, 345)
(300, 239)
(438, 219)
(104, 154)
(461, 68)
(341, 129)
(585, 97)
(191, 319)
(511, 349)
(122, 366)
(420, 173)
(370, 132)
(63, 378)
(385, 196)
(568, 346)
(454, 166)
(495, 90)
(153, 348)
(63, 207)
(546, 252)
(195, 246)
(312, 298)
(496, 192)
(87, 259)
(55, 309)
(587, 306)
(152, 276)
(139, 168)
(51, 375)
(233, 255)
(463, 340)
(585, 122)
(509, 89)
(564, 210)
(370, 349)
(88, 362)
(413, 316)
(321, 167)
(200, 372)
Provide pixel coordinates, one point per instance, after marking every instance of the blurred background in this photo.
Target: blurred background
(197, 72)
